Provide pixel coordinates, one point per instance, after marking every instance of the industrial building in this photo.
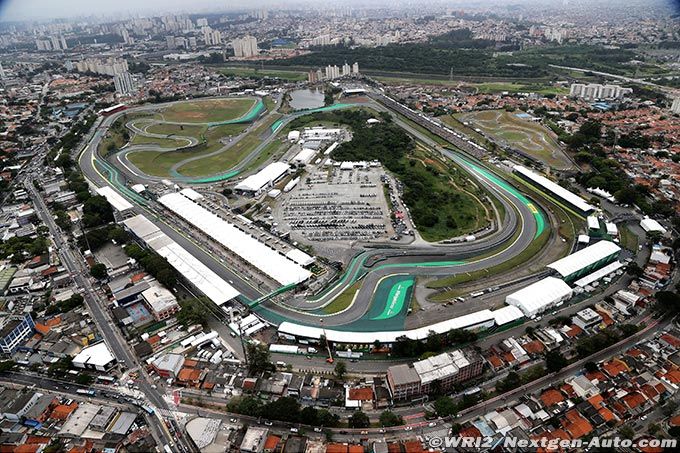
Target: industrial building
(259, 255)
(442, 371)
(194, 271)
(263, 179)
(540, 296)
(586, 260)
(555, 190)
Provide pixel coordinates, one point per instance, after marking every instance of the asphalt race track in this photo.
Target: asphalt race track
(372, 309)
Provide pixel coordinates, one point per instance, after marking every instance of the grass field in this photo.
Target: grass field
(293, 76)
(230, 157)
(207, 110)
(511, 87)
(343, 300)
(527, 136)
(160, 163)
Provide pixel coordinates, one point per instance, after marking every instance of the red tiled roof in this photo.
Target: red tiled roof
(675, 421)
(576, 425)
(574, 331)
(271, 442)
(634, 399)
(551, 397)
(671, 340)
(534, 347)
(470, 431)
(615, 367)
(361, 394)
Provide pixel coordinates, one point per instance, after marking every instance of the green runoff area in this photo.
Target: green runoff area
(521, 133)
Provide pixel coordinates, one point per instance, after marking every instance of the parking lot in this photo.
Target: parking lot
(331, 204)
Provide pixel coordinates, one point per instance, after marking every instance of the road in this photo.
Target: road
(96, 304)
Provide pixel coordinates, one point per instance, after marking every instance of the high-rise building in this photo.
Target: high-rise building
(346, 69)
(62, 41)
(311, 76)
(216, 37)
(593, 91)
(56, 45)
(170, 42)
(124, 83)
(2, 72)
(43, 44)
(126, 36)
(355, 68)
(245, 47)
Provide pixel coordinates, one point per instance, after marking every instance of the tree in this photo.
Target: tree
(359, 420)
(286, 409)
(389, 418)
(327, 418)
(191, 313)
(555, 361)
(445, 407)
(591, 367)
(340, 370)
(668, 301)
(98, 271)
(634, 269)
(84, 379)
(627, 432)
(258, 359)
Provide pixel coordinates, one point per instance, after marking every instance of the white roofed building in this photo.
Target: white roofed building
(96, 357)
(586, 260)
(651, 225)
(540, 296)
(268, 260)
(116, 200)
(264, 179)
(555, 190)
(160, 301)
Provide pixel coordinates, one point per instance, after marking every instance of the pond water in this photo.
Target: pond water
(306, 99)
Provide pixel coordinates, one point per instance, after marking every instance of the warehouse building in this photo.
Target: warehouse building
(555, 190)
(259, 255)
(586, 260)
(540, 296)
(118, 203)
(264, 179)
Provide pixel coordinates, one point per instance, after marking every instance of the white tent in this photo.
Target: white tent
(540, 296)
(584, 258)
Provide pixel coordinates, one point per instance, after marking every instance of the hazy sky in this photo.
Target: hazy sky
(45, 9)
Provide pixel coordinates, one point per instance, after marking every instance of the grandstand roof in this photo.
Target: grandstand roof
(119, 203)
(258, 254)
(555, 188)
(584, 258)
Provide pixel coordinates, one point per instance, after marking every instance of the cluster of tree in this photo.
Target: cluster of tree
(138, 66)
(97, 211)
(65, 306)
(284, 409)
(389, 418)
(192, 312)
(63, 147)
(154, 264)
(514, 379)
(455, 52)
(588, 134)
(593, 343)
(22, 248)
(76, 183)
(433, 344)
(445, 406)
(258, 359)
(668, 302)
(96, 238)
